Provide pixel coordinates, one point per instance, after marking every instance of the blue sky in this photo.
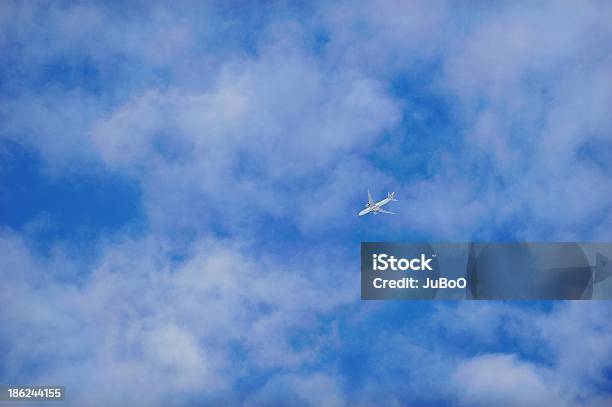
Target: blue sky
(179, 188)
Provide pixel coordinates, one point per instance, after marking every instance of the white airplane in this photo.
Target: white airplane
(375, 207)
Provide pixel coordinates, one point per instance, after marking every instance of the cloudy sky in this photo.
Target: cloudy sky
(179, 186)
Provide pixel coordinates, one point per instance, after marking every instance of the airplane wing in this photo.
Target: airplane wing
(384, 211)
(370, 200)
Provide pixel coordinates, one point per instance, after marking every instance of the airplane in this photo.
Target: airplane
(376, 207)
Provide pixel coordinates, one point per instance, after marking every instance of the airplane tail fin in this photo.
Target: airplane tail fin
(391, 196)
(603, 268)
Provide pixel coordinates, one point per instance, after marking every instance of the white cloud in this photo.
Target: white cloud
(569, 349)
(139, 323)
(272, 123)
(284, 114)
(498, 379)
